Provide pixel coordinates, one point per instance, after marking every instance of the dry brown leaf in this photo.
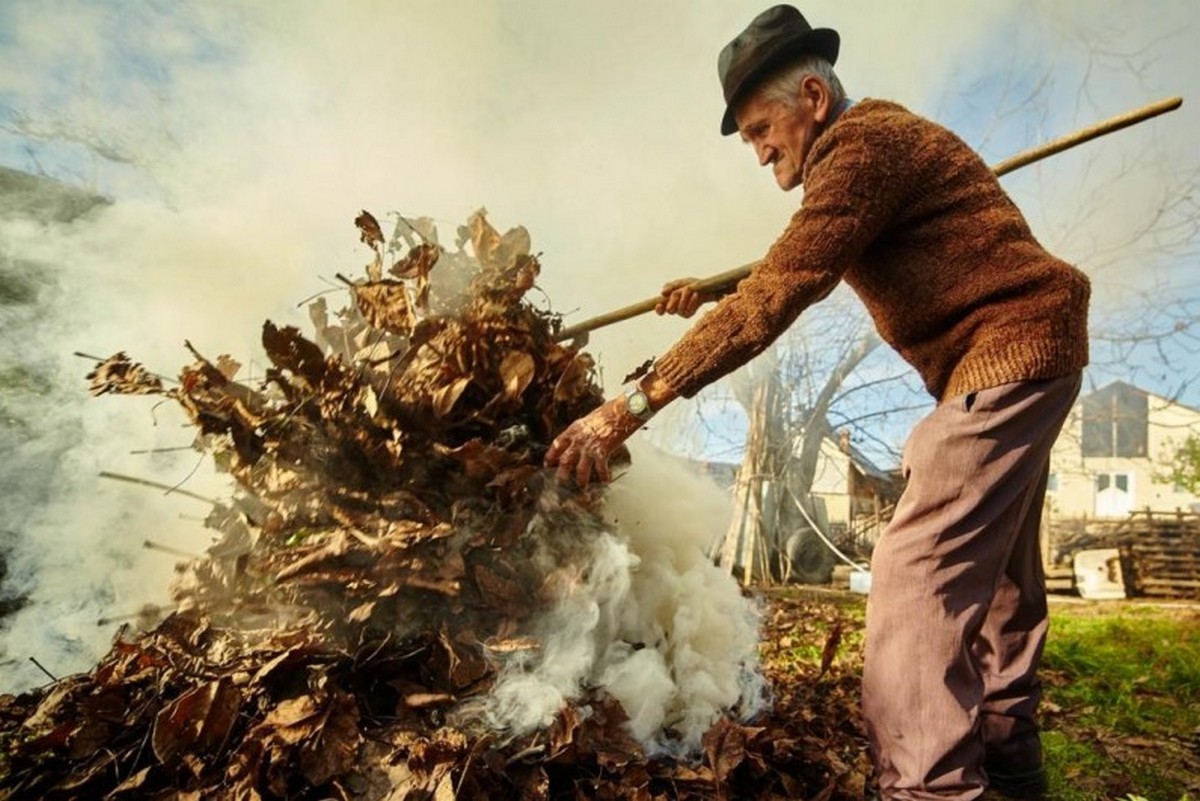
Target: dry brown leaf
(466, 664)
(516, 372)
(370, 232)
(831, 646)
(426, 700)
(332, 750)
(417, 262)
(479, 460)
(639, 371)
(445, 396)
(119, 375)
(131, 784)
(199, 719)
(288, 349)
(385, 305)
(228, 366)
(725, 748)
(574, 382)
(484, 238)
(293, 719)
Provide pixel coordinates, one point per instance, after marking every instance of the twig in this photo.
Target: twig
(42, 668)
(182, 481)
(316, 295)
(525, 753)
(148, 609)
(157, 546)
(168, 489)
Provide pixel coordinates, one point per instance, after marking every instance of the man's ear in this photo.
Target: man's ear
(814, 93)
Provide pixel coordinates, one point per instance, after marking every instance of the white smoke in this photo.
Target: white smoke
(650, 621)
(252, 133)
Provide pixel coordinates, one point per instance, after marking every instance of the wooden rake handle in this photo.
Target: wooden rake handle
(1022, 159)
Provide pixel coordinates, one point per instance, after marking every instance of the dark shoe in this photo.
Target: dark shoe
(1027, 783)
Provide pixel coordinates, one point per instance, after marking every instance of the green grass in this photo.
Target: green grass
(1121, 718)
(1123, 694)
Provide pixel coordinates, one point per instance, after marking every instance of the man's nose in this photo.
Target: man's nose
(766, 154)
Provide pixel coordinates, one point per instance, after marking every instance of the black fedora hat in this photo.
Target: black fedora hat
(772, 37)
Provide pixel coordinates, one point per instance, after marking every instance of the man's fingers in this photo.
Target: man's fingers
(601, 467)
(590, 461)
(556, 448)
(671, 286)
(683, 302)
(678, 297)
(689, 304)
(566, 465)
(580, 463)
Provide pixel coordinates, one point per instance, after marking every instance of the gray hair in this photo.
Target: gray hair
(784, 85)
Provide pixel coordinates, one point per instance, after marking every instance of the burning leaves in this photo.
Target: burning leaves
(381, 560)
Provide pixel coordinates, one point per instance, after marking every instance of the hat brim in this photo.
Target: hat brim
(823, 42)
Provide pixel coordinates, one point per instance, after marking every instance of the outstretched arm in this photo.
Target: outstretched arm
(582, 451)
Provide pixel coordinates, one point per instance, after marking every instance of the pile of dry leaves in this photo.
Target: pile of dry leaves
(373, 570)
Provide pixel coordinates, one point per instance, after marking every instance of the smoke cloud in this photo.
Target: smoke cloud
(238, 140)
(652, 621)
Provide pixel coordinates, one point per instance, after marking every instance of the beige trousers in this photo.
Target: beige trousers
(956, 616)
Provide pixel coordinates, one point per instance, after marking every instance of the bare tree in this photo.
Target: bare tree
(788, 397)
(1144, 321)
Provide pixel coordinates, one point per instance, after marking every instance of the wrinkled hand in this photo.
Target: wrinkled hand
(680, 297)
(584, 448)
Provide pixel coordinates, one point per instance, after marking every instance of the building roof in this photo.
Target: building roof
(1123, 389)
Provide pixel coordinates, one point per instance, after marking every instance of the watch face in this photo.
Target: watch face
(638, 404)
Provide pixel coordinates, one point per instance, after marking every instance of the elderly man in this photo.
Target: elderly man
(906, 214)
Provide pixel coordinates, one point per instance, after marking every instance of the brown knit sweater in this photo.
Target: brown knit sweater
(919, 227)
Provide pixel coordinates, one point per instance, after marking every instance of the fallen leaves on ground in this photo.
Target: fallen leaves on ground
(374, 567)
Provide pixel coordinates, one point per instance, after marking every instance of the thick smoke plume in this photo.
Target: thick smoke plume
(650, 620)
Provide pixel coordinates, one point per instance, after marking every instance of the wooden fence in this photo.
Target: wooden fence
(1160, 551)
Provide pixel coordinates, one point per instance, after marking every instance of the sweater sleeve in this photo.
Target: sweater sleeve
(853, 187)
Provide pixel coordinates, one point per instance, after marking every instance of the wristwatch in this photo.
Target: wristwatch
(637, 404)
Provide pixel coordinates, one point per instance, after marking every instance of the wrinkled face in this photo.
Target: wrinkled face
(782, 135)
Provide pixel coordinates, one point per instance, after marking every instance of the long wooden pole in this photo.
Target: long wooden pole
(1023, 159)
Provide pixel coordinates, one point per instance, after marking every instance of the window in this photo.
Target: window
(1116, 422)
(1052, 482)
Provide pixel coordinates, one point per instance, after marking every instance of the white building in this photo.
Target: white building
(1113, 452)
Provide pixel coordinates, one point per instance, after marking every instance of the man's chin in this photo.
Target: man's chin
(788, 183)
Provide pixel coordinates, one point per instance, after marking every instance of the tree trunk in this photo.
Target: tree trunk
(768, 538)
